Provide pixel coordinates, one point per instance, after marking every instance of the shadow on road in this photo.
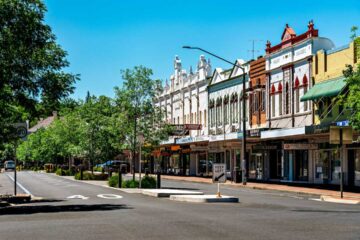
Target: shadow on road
(325, 211)
(20, 210)
(179, 188)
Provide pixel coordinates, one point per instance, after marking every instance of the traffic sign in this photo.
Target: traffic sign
(219, 174)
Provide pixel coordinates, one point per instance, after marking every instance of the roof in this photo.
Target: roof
(42, 124)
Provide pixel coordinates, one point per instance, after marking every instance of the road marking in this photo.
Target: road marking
(109, 196)
(78, 197)
(19, 185)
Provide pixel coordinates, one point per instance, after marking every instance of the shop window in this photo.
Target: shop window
(263, 102)
(306, 102)
(280, 104)
(273, 105)
(297, 97)
(287, 99)
(205, 118)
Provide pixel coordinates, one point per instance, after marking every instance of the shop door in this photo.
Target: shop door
(301, 165)
(256, 166)
(275, 164)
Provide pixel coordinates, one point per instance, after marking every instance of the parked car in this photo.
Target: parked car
(114, 165)
(9, 165)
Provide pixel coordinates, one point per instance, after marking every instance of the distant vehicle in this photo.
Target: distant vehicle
(114, 165)
(9, 165)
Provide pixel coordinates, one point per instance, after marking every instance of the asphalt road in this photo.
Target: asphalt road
(259, 215)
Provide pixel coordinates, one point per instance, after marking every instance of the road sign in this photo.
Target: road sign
(219, 175)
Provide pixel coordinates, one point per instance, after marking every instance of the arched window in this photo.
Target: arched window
(219, 111)
(204, 118)
(287, 99)
(226, 109)
(305, 86)
(280, 99)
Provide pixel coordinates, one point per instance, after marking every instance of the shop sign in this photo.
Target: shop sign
(346, 132)
(300, 146)
(187, 150)
(265, 147)
(240, 135)
(254, 132)
(175, 148)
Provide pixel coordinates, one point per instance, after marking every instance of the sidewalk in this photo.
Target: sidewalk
(275, 187)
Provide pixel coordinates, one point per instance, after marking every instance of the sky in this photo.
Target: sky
(102, 37)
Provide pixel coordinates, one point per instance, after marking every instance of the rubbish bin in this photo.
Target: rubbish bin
(237, 175)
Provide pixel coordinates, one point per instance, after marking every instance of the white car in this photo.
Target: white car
(9, 165)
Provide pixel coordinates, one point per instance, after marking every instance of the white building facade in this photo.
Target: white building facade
(184, 103)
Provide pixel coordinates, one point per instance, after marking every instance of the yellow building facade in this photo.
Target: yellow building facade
(327, 72)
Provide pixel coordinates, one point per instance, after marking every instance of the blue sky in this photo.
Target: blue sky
(104, 36)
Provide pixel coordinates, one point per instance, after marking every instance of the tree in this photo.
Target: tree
(135, 99)
(352, 99)
(353, 32)
(31, 63)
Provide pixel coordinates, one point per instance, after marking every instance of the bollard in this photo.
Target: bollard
(81, 174)
(158, 180)
(119, 180)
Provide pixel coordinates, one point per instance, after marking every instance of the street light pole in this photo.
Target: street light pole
(243, 97)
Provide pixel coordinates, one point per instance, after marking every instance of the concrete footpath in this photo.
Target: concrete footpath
(274, 187)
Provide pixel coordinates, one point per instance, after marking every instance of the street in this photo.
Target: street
(105, 213)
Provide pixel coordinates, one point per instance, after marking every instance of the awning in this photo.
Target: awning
(329, 88)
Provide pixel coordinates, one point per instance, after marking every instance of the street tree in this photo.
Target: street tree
(31, 64)
(352, 98)
(135, 99)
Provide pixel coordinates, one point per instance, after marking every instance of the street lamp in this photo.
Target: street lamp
(243, 148)
(140, 138)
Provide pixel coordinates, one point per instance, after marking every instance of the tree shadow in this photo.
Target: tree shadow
(21, 210)
(325, 211)
(177, 188)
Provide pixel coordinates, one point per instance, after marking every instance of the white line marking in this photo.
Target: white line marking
(109, 196)
(78, 197)
(19, 184)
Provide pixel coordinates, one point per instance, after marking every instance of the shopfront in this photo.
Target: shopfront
(265, 161)
(296, 165)
(353, 154)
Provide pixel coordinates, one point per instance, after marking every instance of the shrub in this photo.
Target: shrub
(113, 181)
(62, 172)
(130, 184)
(59, 172)
(148, 182)
(89, 176)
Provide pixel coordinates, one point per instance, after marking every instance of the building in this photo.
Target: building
(289, 77)
(225, 115)
(329, 83)
(185, 105)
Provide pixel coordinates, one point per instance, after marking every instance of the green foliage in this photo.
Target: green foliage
(113, 181)
(148, 182)
(352, 99)
(90, 176)
(130, 184)
(32, 80)
(353, 32)
(67, 172)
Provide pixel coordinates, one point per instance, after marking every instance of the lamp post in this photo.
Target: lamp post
(243, 146)
(140, 138)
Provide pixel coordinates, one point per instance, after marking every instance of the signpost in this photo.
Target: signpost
(219, 175)
(340, 135)
(20, 131)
